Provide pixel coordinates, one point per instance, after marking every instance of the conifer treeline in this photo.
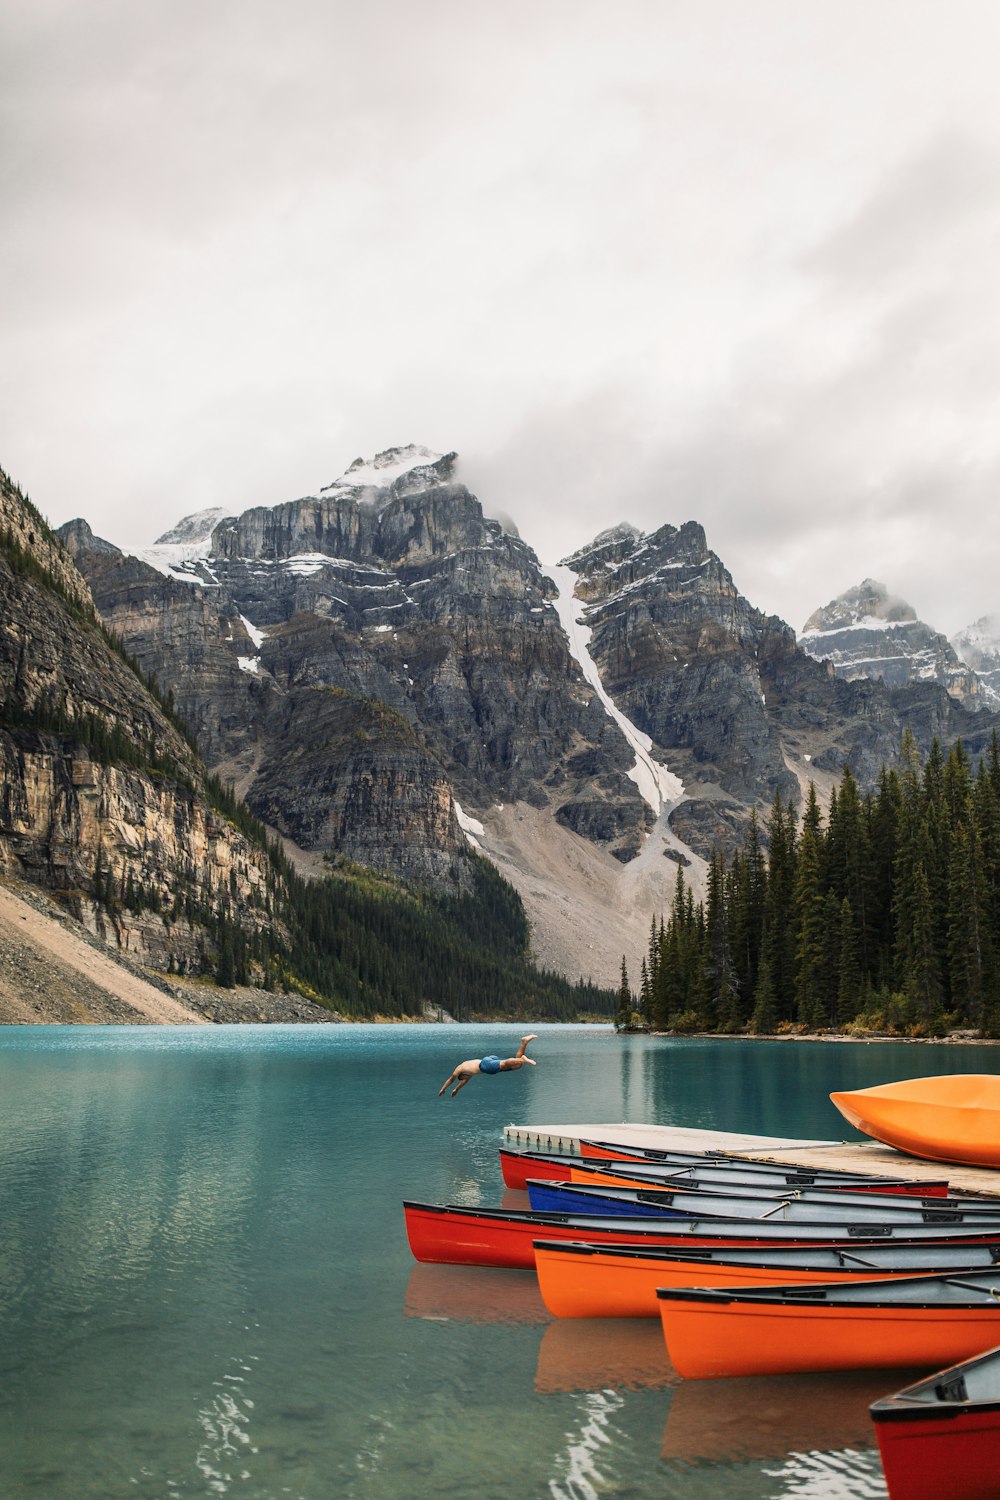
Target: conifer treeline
(884, 915)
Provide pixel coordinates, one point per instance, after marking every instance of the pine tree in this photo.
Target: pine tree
(720, 974)
(765, 1011)
(810, 924)
(623, 1014)
(778, 938)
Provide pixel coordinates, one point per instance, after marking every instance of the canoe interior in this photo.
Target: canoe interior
(960, 1289)
(920, 1259)
(554, 1197)
(975, 1381)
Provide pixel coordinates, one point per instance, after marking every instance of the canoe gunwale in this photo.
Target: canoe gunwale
(818, 1295)
(709, 1256)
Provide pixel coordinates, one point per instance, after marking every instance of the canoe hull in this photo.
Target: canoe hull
(951, 1118)
(698, 1203)
(629, 1174)
(957, 1458)
(706, 1340)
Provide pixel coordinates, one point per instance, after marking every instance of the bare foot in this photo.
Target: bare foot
(531, 1037)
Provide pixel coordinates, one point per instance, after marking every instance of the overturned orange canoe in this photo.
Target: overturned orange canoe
(954, 1117)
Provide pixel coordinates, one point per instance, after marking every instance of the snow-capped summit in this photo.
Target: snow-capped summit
(193, 528)
(180, 553)
(623, 532)
(978, 645)
(868, 632)
(869, 604)
(385, 468)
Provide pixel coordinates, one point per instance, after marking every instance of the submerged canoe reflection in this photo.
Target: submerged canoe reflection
(474, 1294)
(768, 1416)
(597, 1354)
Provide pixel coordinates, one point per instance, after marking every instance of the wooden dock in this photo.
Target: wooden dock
(849, 1156)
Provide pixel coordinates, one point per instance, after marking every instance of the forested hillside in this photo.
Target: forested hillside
(885, 914)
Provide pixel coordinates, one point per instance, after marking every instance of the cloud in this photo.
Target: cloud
(643, 265)
(914, 218)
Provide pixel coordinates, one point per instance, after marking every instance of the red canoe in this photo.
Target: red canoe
(449, 1234)
(940, 1439)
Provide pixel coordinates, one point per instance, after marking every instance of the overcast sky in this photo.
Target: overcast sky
(734, 261)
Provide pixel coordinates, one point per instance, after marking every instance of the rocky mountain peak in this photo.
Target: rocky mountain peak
(399, 470)
(867, 632)
(194, 528)
(867, 601)
(978, 645)
(77, 537)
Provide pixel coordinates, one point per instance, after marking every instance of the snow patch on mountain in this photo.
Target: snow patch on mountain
(660, 788)
(471, 827)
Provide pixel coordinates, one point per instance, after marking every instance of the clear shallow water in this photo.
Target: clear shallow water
(205, 1286)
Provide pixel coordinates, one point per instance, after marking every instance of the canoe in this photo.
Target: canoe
(940, 1439)
(954, 1117)
(581, 1280)
(518, 1166)
(910, 1320)
(653, 1172)
(452, 1234)
(816, 1207)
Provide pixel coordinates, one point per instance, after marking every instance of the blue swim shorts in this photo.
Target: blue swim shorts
(489, 1064)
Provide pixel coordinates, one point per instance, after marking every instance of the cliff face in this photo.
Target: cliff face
(99, 795)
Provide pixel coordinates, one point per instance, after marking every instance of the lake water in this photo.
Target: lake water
(205, 1286)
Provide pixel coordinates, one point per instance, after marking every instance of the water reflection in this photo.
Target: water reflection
(577, 1471)
(768, 1416)
(474, 1294)
(591, 1354)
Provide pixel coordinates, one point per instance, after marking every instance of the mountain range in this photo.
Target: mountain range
(389, 676)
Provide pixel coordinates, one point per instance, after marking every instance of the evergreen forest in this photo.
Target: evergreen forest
(884, 915)
(374, 948)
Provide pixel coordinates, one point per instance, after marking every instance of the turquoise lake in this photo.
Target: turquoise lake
(205, 1285)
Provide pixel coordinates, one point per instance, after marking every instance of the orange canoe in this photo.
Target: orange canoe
(580, 1280)
(917, 1321)
(954, 1117)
